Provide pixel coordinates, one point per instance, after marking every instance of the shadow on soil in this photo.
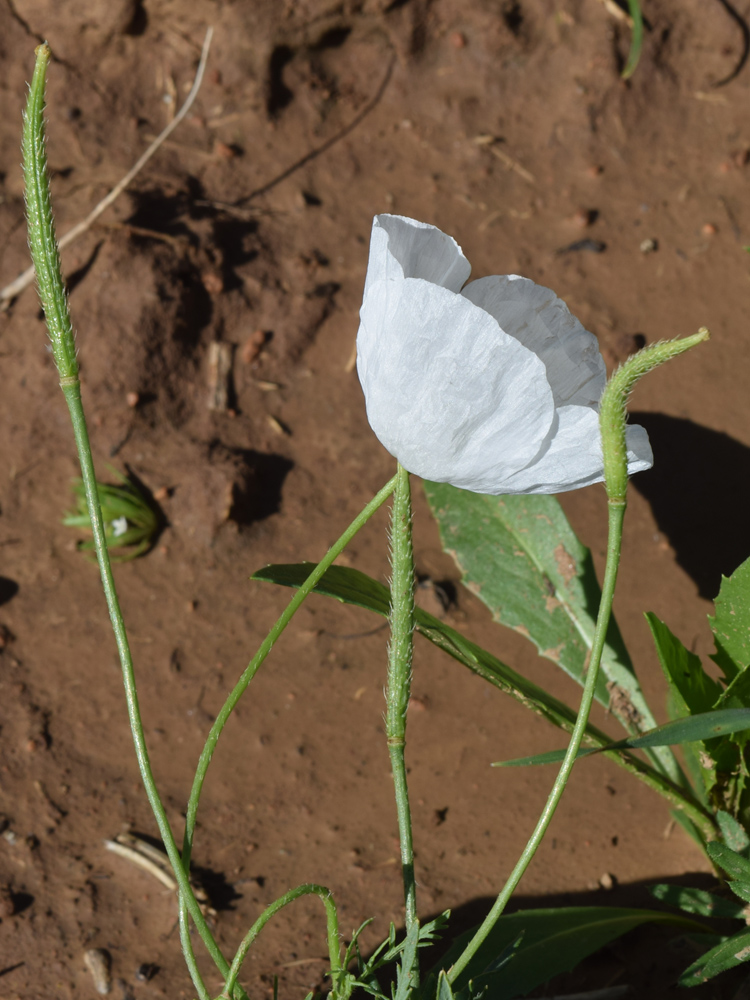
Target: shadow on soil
(696, 490)
(648, 960)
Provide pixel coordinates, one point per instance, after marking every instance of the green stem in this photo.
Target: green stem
(398, 689)
(46, 260)
(616, 510)
(265, 648)
(260, 923)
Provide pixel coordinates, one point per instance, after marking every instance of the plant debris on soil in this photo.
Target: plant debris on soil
(216, 312)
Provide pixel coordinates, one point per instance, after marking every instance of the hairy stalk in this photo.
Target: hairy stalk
(398, 690)
(252, 668)
(46, 259)
(612, 419)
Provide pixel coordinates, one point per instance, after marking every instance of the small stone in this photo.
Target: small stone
(741, 157)
(253, 346)
(7, 902)
(99, 963)
(223, 151)
(709, 229)
(649, 246)
(6, 636)
(584, 218)
(607, 881)
(161, 494)
(212, 282)
(595, 170)
(457, 39)
(132, 399)
(146, 972)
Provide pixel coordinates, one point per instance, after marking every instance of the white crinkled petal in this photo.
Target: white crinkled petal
(541, 321)
(404, 248)
(572, 455)
(448, 393)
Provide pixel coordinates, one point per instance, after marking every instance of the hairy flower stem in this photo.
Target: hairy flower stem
(46, 259)
(612, 419)
(398, 689)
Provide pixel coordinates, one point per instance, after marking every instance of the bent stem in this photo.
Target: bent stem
(616, 510)
(46, 260)
(252, 668)
(260, 923)
(398, 690)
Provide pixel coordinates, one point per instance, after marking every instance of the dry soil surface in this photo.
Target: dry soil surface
(506, 123)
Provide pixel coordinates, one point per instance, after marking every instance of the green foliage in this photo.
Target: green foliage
(729, 951)
(691, 729)
(636, 39)
(521, 557)
(131, 523)
(731, 623)
(719, 766)
(543, 943)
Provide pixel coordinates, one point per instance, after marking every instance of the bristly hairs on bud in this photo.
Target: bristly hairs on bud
(613, 407)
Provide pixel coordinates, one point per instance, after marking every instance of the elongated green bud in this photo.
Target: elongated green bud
(42, 240)
(613, 412)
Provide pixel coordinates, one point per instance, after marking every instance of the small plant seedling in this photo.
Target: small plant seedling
(131, 523)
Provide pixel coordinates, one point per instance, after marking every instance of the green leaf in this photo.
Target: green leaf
(520, 556)
(555, 941)
(707, 725)
(730, 953)
(731, 623)
(444, 991)
(730, 861)
(683, 670)
(703, 904)
(740, 888)
(734, 834)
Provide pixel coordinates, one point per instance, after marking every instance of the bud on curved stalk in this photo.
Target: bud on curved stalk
(613, 412)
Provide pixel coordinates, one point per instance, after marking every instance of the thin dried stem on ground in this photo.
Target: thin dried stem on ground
(15, 288)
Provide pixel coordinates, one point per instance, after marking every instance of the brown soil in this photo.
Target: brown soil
(507, 125)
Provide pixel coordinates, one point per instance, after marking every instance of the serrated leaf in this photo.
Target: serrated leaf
(520, 556)
(555, 941)
(691, 729)
(731, 623)
(697, 901)
(730, 953)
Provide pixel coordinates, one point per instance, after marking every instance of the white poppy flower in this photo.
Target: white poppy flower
(494, 387)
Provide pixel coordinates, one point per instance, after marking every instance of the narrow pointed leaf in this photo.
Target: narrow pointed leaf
(730, 861)
(730, 953)
(350, 586)
(707, 725)
(683, 670)
(521, 557)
